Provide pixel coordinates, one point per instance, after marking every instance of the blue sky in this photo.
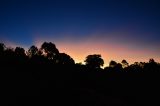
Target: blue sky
(131, 23)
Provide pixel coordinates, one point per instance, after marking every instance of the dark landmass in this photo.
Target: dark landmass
(44, 77)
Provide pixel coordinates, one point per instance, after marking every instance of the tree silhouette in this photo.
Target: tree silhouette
(20, 51)
(94, 61)
(29, 76)
(151, 66)
(124, 63)
(114, 67)
(112, 63)
(32, 51)
(9, 55)
(20, 55)
(63, 58)
(2, 47)
(50, 50)
(151, 61)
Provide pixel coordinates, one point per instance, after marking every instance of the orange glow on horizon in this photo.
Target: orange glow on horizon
(108, 50)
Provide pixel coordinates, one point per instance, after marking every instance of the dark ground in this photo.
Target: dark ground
(71, 85)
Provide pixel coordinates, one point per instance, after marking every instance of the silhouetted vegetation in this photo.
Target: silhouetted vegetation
(44, 76)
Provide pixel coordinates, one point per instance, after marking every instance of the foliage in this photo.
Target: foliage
(42, 76)
(94, 61)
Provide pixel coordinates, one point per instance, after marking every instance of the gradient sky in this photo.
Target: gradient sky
(116, 29)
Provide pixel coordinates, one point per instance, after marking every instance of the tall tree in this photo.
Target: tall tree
(151, 61)
(94, 61)
(9, 55)
(124, 63)
(20, 55)
(63, 58)
(20, 51)
(112, 63)
(32, 51)
(2, 47)
(49, 49)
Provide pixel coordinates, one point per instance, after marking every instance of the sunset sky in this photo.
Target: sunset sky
(116, 29)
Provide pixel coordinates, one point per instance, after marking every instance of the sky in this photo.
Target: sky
(116, 29)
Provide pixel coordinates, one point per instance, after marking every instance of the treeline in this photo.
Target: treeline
(49, 54)
(44, 76)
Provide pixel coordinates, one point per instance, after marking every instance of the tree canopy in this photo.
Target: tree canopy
(94, 61)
